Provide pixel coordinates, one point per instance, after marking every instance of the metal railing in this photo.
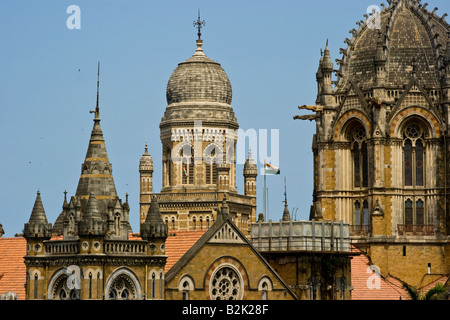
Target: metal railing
(415, 229)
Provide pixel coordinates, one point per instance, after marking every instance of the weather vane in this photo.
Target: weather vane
(199, 24)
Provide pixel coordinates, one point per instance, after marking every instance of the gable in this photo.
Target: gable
(223, 246)
(226, 234)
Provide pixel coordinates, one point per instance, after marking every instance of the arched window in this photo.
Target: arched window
(414, 212)
(167, 167)
(194, 222)
(360, 158)
(409, 212)
(153, 285)
(357, 220)
(98, 285)
(413, 155)
(361, 218)
(35, 286)
(212, 156)
(90, 285)
(187, 164)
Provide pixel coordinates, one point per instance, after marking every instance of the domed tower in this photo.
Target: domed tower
(380, 150)
(198, 129)
(198, 137)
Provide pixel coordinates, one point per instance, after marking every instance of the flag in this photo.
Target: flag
(270, 169)
(184, 171)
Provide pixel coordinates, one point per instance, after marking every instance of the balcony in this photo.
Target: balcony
(415, 230)
(360, 230)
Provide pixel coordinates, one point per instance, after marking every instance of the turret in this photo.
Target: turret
(38, 227)
(250, 173)
(146, 179)
(327, 70)
(380, 62)
(92, 223)
(154, 227)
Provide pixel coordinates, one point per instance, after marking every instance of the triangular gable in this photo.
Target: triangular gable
(226, 234)
(414, 95)
(223, 231)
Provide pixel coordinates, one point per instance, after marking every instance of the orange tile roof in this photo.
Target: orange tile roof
(389, 287)
(12, 266)
(178, 243)
(442, 280)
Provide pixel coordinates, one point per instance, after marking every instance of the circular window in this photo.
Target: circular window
(226, 284)
(413, 131)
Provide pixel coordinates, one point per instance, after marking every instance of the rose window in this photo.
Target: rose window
(225, 285)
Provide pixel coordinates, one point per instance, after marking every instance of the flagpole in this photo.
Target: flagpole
(264, 194)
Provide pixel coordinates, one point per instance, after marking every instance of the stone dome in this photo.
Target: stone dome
(199, 79)
(406, 37)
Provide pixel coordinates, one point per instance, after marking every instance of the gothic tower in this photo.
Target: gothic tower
(198, 138)
(90, 253)
(380, 147)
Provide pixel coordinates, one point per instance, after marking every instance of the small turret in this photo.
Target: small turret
(92, 223)
(380, 61)
(38, 226)
(327, 70)
(250, 174)
(154, 226)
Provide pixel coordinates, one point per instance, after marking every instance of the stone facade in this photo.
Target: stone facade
(224, 265)
(380, 148)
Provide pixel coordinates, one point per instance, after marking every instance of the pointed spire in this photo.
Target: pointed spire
(286, 214)
(154, 226)
(38, 226)
(327, 64)
(92, 223)
(96, 174)
(91, 210)
(38, 213)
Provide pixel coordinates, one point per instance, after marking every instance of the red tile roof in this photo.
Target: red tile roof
(178, 243)
(12, 266)
(366, 287)
(442, 280)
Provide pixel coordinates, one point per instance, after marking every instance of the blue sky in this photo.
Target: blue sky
(269, 49)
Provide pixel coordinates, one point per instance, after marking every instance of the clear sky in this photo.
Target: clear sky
(48, 72)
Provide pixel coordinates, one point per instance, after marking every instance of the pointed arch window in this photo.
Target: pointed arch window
(413, 155)
(361, 220)
(360, 158)
(414, 212)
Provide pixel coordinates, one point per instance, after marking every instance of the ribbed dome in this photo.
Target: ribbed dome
(410, 36)
(199, 79)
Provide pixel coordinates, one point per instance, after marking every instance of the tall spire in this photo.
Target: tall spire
(97, 109)
(96, 173)
(286, 214)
